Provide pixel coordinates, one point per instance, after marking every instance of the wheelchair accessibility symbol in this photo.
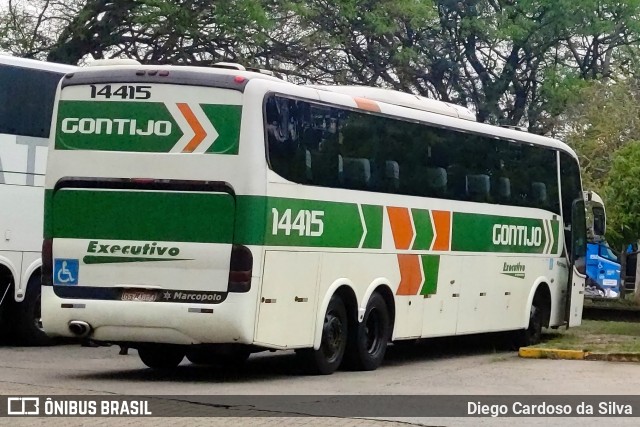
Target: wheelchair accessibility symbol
(65, 271)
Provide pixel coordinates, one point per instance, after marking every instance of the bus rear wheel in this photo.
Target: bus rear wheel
(161, 357)
(328, 357)
(27, 318)
(368, 341)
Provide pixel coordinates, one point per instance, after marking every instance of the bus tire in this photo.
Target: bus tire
(533, 333)
(328, 357)
(368, 341)
(161, 357)
(26, 316)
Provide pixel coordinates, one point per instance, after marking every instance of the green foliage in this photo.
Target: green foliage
(603, 118)
(622, 192)
(515, 62)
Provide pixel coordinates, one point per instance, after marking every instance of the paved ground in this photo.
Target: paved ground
(435, 367)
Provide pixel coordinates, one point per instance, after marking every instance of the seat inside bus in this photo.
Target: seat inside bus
(478, 187)
(436, 181)
(356, 173)
(539, 192)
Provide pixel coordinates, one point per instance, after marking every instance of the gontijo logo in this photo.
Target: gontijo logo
(116, 126)
(520, 235)
(183, 127)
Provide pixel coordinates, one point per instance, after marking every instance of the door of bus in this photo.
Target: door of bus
(577, 266)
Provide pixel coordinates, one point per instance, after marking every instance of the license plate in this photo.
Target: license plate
(134, 295)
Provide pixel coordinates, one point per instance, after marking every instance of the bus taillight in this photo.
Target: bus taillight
(47, 262)
(240, 269)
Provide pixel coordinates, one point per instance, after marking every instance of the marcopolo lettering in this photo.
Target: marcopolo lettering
(95, 247)
(89, 126)
(517, 235)
(195, 296)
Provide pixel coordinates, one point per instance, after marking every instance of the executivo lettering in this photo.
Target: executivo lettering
(514, 270)
(146, 249)
(116, 127)
(517, 235)
(101, 253)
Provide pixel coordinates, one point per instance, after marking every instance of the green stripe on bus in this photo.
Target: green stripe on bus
(555, 228)
(493, 233)
(430, 269)
(226, 120)
(313, 223)
(251, 220)
(373, 219)
(148, 127)
(201, 217)
(142, 215)
(424, 229)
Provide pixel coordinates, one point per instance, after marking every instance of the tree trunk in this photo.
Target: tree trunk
(623, 270)
(636, 290)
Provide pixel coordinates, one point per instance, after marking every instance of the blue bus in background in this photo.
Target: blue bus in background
(603, 265)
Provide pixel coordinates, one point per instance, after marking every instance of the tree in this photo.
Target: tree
(196, 32)
(623, 194)
(513, 62)
(601, 118)
(28, 28)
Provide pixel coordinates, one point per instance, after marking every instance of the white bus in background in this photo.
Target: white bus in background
(210, 213)
(27, 92)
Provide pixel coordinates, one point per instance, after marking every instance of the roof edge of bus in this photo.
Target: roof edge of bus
(17, 61)
(403, 99)
(247, 74)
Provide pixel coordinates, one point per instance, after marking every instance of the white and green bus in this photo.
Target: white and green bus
(27, 92)
(211, 213)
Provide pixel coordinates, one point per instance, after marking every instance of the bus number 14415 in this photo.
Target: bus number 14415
(306, 223)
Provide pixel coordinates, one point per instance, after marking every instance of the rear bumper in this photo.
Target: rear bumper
(231, 321)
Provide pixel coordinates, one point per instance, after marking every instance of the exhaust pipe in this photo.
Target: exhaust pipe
(79, 328)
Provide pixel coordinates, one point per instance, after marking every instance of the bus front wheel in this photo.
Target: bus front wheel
(533, 333)
(328, 357)
(368, 341)
(161, 357)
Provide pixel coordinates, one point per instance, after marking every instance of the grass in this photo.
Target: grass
(627, 303)
(596, 336)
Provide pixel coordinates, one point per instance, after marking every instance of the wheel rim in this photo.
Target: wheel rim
(373, 330)
(333, 339)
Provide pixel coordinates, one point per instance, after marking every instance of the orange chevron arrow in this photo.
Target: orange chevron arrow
(199, 133)
(400, 226)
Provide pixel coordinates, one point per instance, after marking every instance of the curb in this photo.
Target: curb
(552, 353)
(614, 357)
